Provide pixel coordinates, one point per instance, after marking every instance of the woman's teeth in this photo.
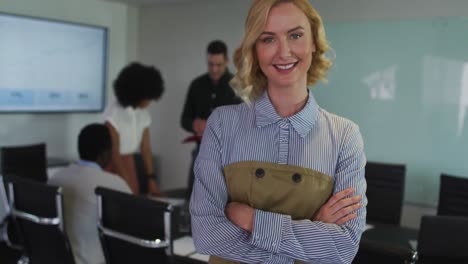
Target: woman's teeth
(285, 67)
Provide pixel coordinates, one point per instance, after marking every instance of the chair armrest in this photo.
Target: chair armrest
(157, 243)
(34, 218)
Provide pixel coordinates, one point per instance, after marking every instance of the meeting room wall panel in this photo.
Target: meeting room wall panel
(405, 83)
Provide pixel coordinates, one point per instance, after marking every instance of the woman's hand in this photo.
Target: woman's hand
(153, 188)
(340, 208)
(240, 215)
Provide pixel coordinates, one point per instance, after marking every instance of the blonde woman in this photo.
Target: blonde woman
(279, 179)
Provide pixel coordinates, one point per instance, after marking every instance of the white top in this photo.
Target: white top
(78, 182)
(130, 123)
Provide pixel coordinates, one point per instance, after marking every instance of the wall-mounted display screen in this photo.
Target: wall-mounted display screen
(51, 66)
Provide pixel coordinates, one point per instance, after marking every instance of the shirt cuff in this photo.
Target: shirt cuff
(279, 259)
(268, 229)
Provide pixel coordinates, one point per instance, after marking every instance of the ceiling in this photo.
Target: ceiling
(150, 2)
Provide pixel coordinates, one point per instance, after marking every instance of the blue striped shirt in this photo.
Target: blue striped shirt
(312, 138)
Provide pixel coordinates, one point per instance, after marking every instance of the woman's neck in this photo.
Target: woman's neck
(287, 101)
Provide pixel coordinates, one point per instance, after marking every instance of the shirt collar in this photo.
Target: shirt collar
(226, 77)
(302, 121)
(88, 163)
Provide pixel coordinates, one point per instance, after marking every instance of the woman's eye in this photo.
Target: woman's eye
(267, 40)
(296, 36)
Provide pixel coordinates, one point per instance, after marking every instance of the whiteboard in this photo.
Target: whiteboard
(405, 83)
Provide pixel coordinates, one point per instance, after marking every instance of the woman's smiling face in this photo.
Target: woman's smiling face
(284, 49)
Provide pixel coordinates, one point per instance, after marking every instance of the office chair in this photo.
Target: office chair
(9, 230)
(10, 252)
(453, 196)
(443, 239)
(24, 161)
(385, 189)
(133, 229)
(37, 210)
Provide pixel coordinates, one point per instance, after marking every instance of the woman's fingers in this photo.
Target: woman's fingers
(347, 210)
(340, 208)
(344, 203)
(339, 196)
(345, 219)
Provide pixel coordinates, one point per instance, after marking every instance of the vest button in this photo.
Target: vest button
(260, 173)
(296, 177)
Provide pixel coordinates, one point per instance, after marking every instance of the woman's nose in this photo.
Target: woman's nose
(284, 49)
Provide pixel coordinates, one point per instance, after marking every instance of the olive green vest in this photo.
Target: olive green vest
(285, 189)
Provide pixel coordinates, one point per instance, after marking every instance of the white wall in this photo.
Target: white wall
(60, 131)
(174, 38)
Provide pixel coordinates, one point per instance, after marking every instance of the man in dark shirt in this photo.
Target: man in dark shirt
(207, 92)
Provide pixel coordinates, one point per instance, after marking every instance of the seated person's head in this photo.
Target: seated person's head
(137, 85)
(95, 144)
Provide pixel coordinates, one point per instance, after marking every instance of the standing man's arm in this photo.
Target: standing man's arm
(190, 120)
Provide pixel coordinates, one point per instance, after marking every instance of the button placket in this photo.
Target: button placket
(283, 141)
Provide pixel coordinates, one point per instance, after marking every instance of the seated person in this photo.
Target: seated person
(78, 182)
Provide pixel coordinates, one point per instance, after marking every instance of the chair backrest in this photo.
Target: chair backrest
(453, 196)
(37, 210)
(385, 190)
(24, 161)
(443, 239)
(133, 229)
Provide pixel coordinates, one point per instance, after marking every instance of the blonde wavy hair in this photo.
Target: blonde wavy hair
(249, 81)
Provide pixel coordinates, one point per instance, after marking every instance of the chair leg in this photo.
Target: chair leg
(6, 236)
(23, 260)
(414, 257)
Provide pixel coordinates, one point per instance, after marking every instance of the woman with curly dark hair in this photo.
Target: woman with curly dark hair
(128, 119)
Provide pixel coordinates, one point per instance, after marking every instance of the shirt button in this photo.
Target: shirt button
(259, 173)
(296, 177)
